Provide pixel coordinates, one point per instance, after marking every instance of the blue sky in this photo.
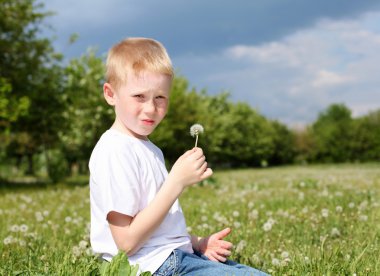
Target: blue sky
(289, 59)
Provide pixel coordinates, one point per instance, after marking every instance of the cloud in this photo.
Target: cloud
(294, 78)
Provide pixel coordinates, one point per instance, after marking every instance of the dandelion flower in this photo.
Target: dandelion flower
(325, 213)
(24, 228)
(335, 232)
(285, 254)
(276, 262)
(267, 226)
(195, 130)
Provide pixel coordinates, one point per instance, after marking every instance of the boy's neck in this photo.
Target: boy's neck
(121, 129)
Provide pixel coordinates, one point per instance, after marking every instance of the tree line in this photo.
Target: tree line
(55, 112)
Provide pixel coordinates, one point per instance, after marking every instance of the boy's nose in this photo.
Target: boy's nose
(149, 106)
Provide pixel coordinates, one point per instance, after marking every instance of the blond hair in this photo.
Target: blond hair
(133, 55)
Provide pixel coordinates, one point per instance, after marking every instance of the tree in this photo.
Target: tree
(30, 69)
(284, 142)
(366, 141)
(332, 133)
(87, 114)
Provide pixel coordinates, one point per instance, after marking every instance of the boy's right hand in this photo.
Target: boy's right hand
(190, 168)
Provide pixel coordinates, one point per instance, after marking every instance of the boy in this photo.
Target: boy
(134, 201)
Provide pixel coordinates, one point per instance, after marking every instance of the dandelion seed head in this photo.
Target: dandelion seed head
(8, 240)
(285, 254)
(14, 228)
(237, 224)
(276, 262)
(196, 129)
(24, 228)
(267, 226)
(240, 246)
(83, 244)
(325, 213)
(335, 232)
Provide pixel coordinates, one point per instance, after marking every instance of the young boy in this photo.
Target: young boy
(134, 201)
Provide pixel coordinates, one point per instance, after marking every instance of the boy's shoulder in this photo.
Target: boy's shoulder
(114, 142)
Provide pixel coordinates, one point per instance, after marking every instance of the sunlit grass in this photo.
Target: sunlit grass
(292, 220)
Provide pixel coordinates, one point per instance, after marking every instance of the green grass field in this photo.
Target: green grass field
(314, 220)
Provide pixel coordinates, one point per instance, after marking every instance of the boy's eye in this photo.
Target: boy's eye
(139, 96)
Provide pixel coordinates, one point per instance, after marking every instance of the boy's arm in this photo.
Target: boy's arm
(213, 246)
(130, 233)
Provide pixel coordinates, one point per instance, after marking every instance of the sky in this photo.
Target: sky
(289, 59)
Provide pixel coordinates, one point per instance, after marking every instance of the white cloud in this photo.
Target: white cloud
(298, 76)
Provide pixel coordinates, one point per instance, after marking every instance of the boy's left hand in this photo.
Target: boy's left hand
(214, 247)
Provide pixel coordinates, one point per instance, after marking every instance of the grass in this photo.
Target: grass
(294, 220)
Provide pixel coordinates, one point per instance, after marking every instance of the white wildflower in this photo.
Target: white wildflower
(237, 224)
(68, 219)
(363, 218)
(335, 232)
(351, 205)
(255, 258)
(76, 251)
(325, 213)
(240, 246)
(39, 216)
(83, 244)
(301, 196)
(339, 209)
(24, 228)
(251, 204)
(267, 226)
(204, 218)
(362, 206)
(8, 240)
(195, 130)
(14, 228)
(254, 214)
(284, 254)
(235, 213)
(276, 262)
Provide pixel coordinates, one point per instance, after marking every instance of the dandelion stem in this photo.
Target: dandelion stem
(196, 140)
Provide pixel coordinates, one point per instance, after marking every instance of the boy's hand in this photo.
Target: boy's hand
(214, 247)
(190, 168)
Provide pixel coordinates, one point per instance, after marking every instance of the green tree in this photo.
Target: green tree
(284, 141)
(332, 133)
(366, 141)
(87, 114)
(30, 69)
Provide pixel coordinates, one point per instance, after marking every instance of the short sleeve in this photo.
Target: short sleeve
(115, 180)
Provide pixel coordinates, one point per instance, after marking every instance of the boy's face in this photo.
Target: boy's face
(141, 103)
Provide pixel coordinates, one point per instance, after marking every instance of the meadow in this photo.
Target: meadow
(296, 220)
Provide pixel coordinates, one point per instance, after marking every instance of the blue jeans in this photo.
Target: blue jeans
(194, 264)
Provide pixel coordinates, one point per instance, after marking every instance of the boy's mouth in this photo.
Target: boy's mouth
(148, 122)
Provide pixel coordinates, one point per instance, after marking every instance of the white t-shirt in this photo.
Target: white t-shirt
(125, 175)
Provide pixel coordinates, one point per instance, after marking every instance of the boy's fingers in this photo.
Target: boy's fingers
(227, 245)
(206, 174)
(222, 234)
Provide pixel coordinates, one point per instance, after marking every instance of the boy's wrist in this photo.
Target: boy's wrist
(175, 187)
(195, 242)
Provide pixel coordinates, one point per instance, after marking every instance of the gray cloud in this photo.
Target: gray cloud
(289, 58)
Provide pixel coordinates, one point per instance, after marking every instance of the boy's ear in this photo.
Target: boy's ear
(109, 94)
